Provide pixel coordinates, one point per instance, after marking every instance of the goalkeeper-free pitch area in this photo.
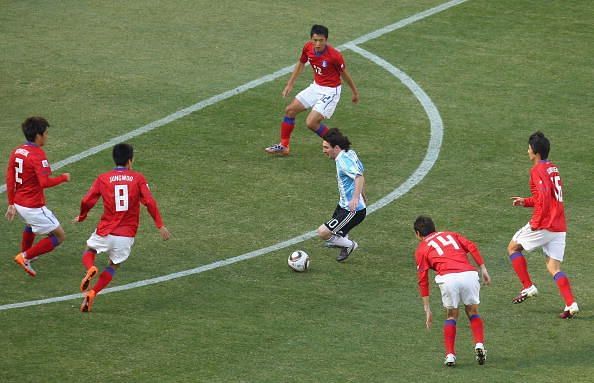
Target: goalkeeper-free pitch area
(495, 71)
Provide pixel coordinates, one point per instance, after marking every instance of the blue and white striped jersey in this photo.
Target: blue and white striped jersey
(348, 166)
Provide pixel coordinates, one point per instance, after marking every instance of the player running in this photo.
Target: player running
(546, 228)
(27, 175)
(122, 191)
(446, 253)
(322, 95)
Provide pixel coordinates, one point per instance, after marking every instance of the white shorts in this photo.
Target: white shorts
(117, 247)
(552, 243)
(322, 99)
(41, 219)
(459, 287)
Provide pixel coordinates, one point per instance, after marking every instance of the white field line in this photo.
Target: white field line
(436, 136)
(242, 88)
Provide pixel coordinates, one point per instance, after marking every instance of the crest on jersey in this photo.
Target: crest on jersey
(324, 64)
(45, 164)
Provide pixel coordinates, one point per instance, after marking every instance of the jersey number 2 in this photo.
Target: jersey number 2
(121, 197)
(18, 170)
(448, 240)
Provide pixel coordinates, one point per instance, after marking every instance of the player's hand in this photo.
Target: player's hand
(164, 232)
(287, 90)
(486, 276)
(428, 318)
(353, 204)
(355, 98)
(77, 219)
(10, 213)
(517, 201)
(67, 176)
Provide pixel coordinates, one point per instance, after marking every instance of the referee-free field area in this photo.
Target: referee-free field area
(496, 72)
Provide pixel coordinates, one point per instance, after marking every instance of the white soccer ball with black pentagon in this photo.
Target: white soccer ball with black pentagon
(298, 261)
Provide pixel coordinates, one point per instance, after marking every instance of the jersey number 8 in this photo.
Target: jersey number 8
(121, 197)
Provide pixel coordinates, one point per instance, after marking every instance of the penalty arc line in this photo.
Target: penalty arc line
(243, 88)
(432, 153)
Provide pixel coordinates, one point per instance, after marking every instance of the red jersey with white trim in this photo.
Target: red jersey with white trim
(444, 252)
(547, 198)
(122, 191)
(326, 65)
(27, 174)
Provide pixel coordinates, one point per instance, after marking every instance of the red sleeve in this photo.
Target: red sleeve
(471, 248)
(89, 200)
(303, 57)
(536, 200)
(422, 273)
(10, 180)
(43, 174)
(146, 198)
(339, 61)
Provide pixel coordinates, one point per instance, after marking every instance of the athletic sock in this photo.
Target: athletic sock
(28, 238)
(88, 258)
(104, 279)
(476, 325)
(287, 127)
(564, 287)
(520, 266)
(449, 336)
(46, 245)
(322, 130)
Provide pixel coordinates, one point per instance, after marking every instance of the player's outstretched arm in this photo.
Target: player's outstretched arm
(517, 201)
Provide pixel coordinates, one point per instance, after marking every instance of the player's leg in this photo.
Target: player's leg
(449, 336)
(554, 254)
(287, 126)
(323, 108)
(527, 239)
(478, 332)
(313, 121)
(28, 238)
(88, 261)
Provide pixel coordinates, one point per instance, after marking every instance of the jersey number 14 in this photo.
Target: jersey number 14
(447, 241)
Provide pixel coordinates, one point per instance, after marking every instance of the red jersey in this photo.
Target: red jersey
(326, 65)
(444, 252)
(122, 191)
(547, 198)
(27, 174)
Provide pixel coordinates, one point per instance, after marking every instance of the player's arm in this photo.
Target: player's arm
(346, 76)
(423, 284)
(43, 175)
(146, 198)
(471, 248)
(10, 189)
(359, 186)
(88, 201)
(296, 72)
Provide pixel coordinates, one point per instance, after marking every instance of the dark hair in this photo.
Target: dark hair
(317, 29)
(540, 144)
(33, 126)
(424, 225)
(122, 153)
(334, 137)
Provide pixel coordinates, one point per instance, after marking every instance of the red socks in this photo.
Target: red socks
(88, 258)
(44, 246)
(287, 127)
(28, 238)
(476, 325)
(564, 287)
(521, 268)
(449, 336)
(104, 279)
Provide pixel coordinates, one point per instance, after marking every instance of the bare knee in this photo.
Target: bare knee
(514, 247)
(324, 233)
(59, 234)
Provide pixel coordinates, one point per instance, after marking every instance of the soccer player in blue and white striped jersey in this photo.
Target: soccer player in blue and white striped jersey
(351, 208)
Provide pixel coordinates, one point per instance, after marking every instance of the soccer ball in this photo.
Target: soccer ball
(298, 261)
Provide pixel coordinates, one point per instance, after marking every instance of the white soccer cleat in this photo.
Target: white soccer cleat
(480, 353)
(277, 149)
(525, 294)
(450, 360)
(570, 311)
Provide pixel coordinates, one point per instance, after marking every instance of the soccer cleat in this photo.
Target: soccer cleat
(450, 360)
(278, 149)
(346, 251)
(480, 353)
(25, 264)
(87, 302)
(84, 285)
(570, 311)
(525, 294)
